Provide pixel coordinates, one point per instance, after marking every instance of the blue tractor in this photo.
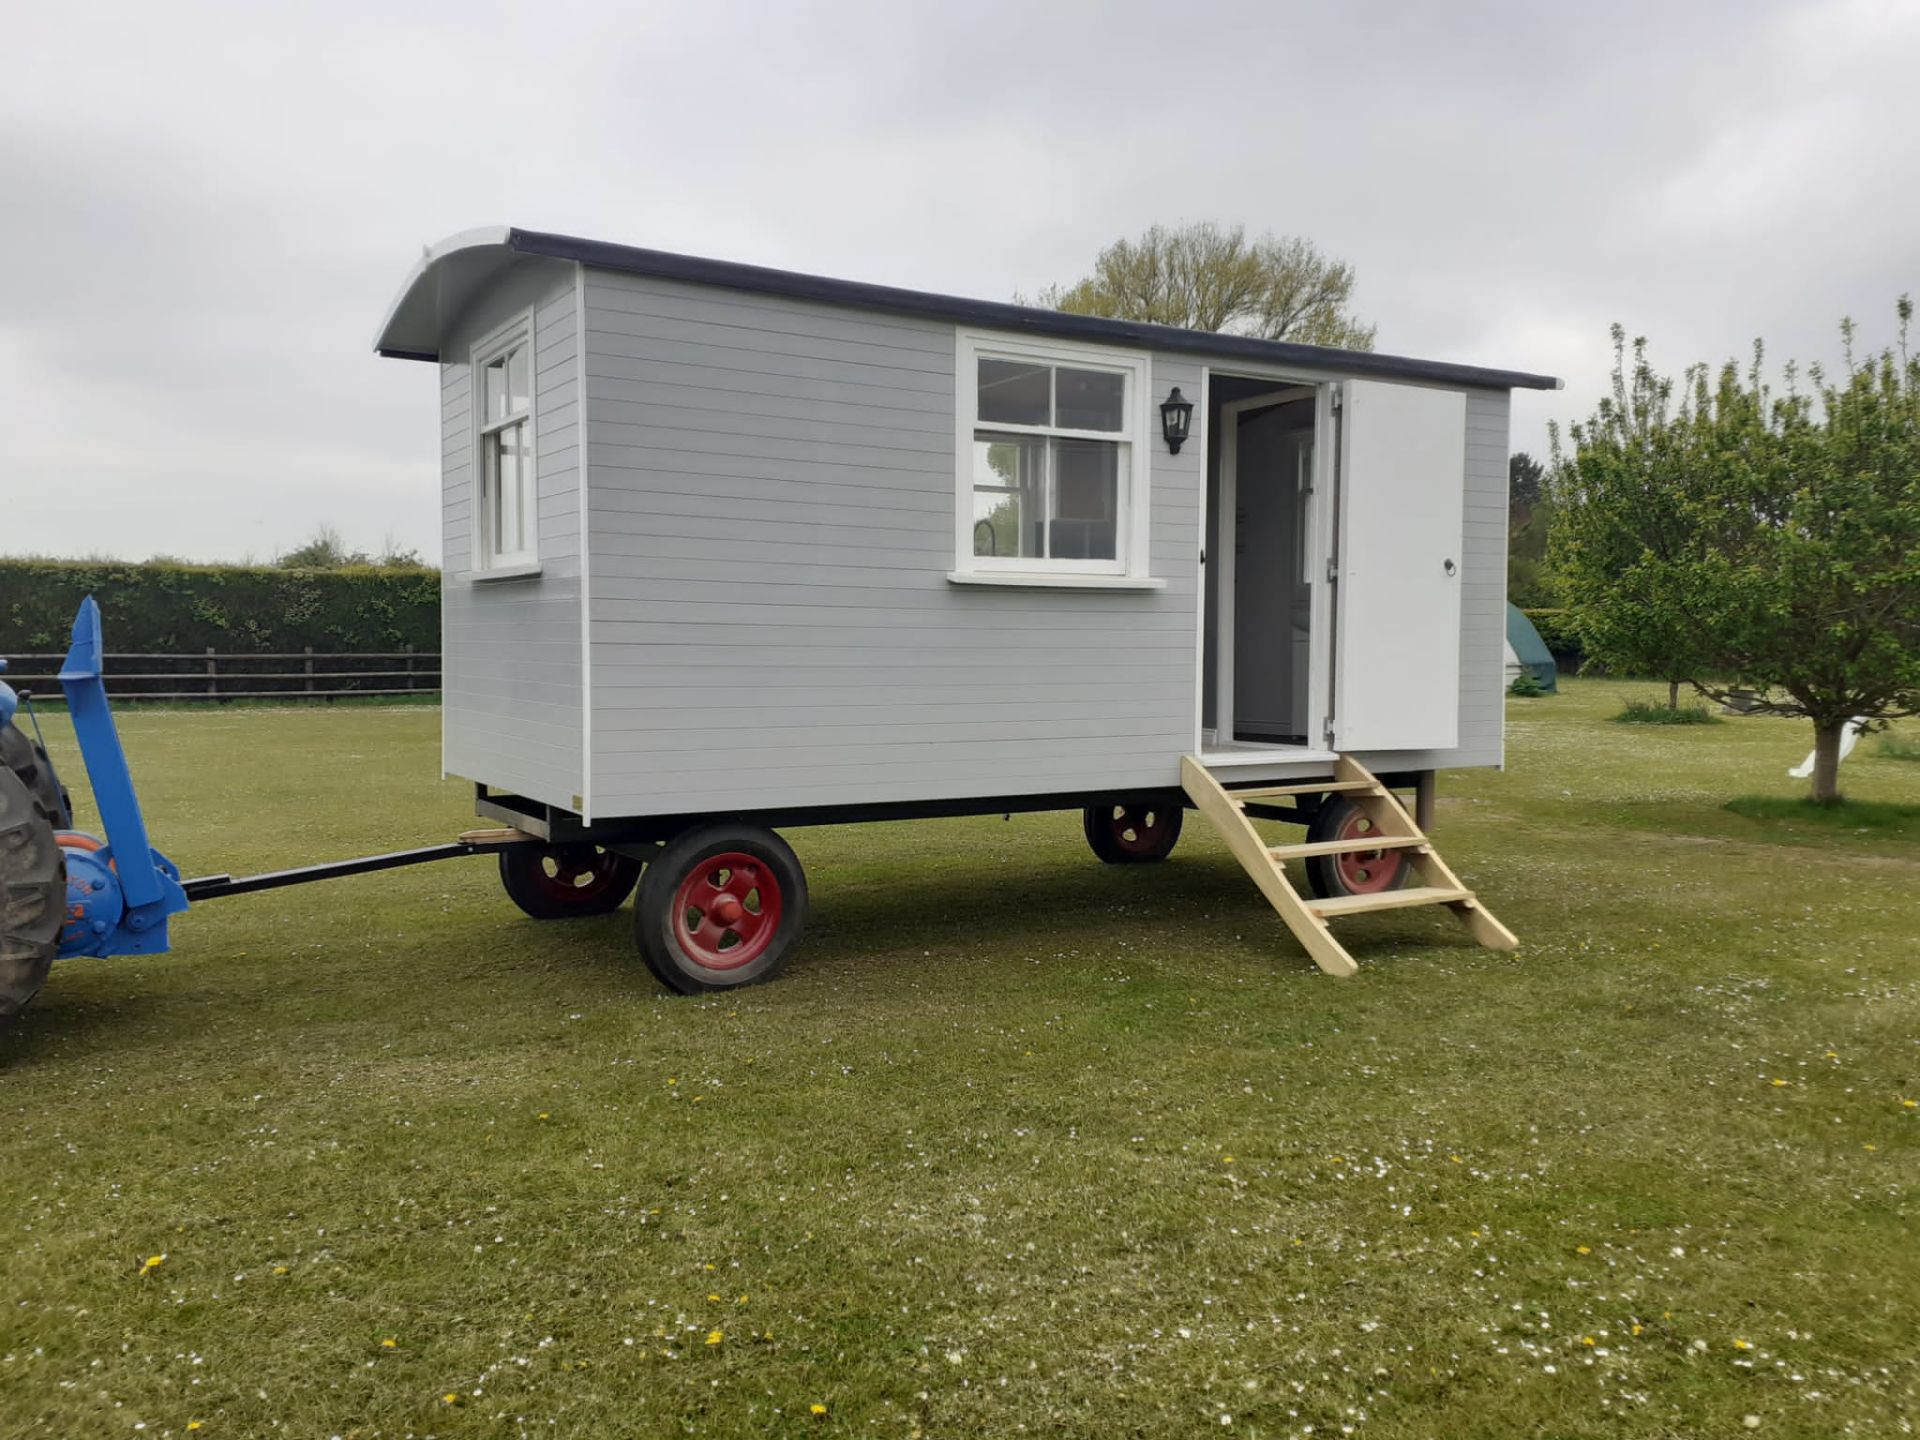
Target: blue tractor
(63, 892)
(67, 893)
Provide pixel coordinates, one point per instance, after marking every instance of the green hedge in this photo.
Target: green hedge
(1558, 635)
(168, 608)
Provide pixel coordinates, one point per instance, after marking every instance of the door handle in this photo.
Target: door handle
(1450, 567)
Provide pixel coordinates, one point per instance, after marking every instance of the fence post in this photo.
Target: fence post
(213, 674)
(409, 669)
(309, 669)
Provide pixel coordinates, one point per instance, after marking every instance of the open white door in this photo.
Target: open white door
(1403, 455)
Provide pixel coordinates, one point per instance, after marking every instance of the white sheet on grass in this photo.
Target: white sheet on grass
(1849, 738)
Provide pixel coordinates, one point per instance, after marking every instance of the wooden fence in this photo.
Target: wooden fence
(244, 675)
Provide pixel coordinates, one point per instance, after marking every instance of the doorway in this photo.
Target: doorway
(1263, 542)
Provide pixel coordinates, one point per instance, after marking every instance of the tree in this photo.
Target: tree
(1625, 542)
(1526, 479)
(324, 550)
(1749, 538)
(1529, 520)
(1211, 277)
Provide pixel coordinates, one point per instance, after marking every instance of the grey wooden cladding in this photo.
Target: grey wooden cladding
(513, 713)
(771, 520)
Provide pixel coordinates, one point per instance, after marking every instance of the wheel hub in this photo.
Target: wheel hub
(727, 912)
(1365, 872)
(1136, 828)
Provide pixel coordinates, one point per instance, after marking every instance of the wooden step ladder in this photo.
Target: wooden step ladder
(1393, 829)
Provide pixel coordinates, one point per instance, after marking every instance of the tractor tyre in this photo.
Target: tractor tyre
(1136, 834)
(560, 882)
(1354, 872)
(27, 759)
(33, 893)
(720, 906)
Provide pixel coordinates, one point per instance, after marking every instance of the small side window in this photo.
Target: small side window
(506, 533)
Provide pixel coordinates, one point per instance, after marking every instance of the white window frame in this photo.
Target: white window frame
(1129, 568)
(488, 562)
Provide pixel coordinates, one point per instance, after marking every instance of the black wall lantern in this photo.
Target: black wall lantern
(1176, 419)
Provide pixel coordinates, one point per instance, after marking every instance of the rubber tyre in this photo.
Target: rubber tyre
(1132, 834)
(670, 886)
(1331, 875)
(33, 894)
(564, 882)
(24, 756)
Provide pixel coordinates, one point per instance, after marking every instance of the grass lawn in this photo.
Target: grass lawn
(1020, 1143)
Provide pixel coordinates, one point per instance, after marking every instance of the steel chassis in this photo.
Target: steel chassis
(642, 836)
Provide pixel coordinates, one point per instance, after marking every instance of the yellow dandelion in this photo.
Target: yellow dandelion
(672, 1081)
(1778, 1083)
(279, 1269)
(714, 1337)
(1870, 1147)
(1833, 1054)
(1743, 1344)
(703, 1267)
(1583, 1249)
(1473, 1234)
(1910, 1103)
(389, 1343)
(741, 1301)
(450, 1398)
(713, 1299)
(1226, 1159)
(1588, 1340)
(152, 1263)
(1637, 1327)
(545, 1116)
(816, 1408)
(1456, 1160)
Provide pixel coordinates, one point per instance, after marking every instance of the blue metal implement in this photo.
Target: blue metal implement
(118, 895)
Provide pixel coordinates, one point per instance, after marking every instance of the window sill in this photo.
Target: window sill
(1065, 580)
(521, 571)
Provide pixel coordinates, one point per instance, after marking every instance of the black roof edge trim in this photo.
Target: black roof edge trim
(760, 279)
(408, 355)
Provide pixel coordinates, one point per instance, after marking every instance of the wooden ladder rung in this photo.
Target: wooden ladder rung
(1387, 900)
(1312, 787)
(1357, 846)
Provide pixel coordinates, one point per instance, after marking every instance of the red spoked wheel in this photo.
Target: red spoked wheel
(558, 882)
(1352, 872)
(722, 905)
(727, 910)
(1135, 833)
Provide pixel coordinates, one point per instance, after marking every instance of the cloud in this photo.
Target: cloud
(210, 206)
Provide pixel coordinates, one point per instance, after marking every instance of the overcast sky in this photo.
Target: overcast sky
(208, 208)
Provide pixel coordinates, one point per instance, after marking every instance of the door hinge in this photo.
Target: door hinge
(1333, 571)
(1326, 732)
(1337, 396)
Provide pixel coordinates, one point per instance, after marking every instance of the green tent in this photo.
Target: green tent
(1527, 653)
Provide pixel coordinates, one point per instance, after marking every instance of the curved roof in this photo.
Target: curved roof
(448, 275)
